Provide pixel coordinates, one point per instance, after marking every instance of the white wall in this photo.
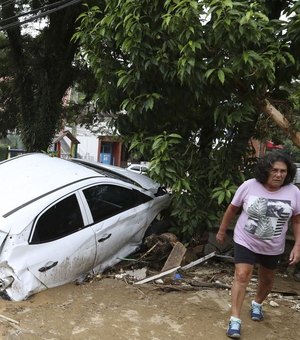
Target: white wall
(88, 147)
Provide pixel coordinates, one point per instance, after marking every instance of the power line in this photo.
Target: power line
(19, 23)
(7, 2)
(34, 11)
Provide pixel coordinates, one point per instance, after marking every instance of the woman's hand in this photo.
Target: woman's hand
(295, 255)
(229, 214)
(221, 237)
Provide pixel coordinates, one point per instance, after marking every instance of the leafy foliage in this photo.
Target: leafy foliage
(224, 192)
(187, 78)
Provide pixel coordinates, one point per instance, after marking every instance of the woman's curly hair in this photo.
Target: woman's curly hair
(265, 164)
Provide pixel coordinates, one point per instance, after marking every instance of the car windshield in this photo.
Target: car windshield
(107, 173)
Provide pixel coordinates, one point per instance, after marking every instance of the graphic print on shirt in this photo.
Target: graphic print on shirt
(267, 217)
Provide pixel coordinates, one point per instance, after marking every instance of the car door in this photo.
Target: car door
(119, 220)
(61, 247)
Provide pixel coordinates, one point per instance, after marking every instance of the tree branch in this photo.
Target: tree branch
(279, 119)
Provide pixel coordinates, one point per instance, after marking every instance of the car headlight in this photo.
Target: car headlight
(6, 282)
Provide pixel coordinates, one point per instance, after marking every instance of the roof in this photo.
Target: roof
(67, 134)
(25, 177)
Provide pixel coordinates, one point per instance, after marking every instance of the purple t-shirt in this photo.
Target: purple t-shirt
(263, 222)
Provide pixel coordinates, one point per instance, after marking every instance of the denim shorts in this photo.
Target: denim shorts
(245, 255)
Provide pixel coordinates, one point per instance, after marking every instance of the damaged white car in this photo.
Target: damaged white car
(62, 219)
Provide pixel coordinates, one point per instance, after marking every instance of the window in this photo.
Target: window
(108, 200)
(106, 172)
(62, 219)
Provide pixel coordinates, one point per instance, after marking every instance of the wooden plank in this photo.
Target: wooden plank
(175, 257)
(9, 319)
(192, 264)
(157, 276)
(202, 259)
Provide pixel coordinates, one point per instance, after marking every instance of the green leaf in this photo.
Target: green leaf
(226, 183)
(209, 72)
(221, 198)
(157, 144)
(175, 135)
(245, 56)
(221, 76)
(227, 3)
(216, 194)
(149, 104)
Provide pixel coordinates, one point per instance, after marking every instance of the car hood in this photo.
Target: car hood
(141, 180)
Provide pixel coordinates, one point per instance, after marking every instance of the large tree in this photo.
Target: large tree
(39, 66)
(195, 78)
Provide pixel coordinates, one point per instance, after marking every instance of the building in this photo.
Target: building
(85, 144)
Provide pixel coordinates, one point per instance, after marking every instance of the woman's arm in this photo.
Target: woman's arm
(295, 253)
(228, 216)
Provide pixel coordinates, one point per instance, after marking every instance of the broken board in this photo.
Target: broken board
(175, 257)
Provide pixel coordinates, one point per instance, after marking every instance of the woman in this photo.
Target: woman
(268, 202)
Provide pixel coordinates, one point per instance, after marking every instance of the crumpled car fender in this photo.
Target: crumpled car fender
(20, 286)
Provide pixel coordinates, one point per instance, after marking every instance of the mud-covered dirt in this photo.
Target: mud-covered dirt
(109, 308)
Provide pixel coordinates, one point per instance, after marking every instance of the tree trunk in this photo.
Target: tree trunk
(281, 121)
(43, 71)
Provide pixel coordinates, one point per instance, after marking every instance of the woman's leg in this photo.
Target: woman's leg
(242, 276)
(265, 283)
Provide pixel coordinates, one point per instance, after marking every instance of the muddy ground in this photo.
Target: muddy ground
(109, 308)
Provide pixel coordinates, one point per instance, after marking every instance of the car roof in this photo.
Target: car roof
(26, 177)
(121, 173)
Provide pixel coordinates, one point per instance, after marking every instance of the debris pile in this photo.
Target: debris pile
(165, 264)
